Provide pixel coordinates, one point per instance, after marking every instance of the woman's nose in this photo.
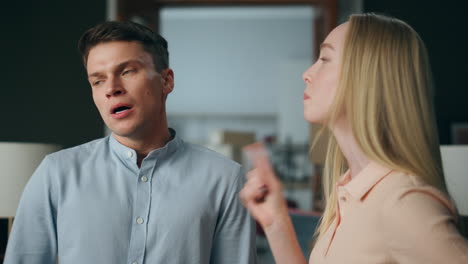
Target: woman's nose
(306, 76)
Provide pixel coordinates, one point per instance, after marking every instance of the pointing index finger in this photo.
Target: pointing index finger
(257, 154)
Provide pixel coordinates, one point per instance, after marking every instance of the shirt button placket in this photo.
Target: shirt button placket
(140, 220)
(141, 209)
(342, 199)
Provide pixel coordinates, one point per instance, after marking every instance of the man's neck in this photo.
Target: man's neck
(143, 145)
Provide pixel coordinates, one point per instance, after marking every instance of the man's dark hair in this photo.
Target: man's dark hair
(109, 31)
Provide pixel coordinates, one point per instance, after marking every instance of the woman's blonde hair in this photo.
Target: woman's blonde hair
(385, 91)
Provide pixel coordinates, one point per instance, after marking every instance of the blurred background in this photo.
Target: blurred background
(238, 67)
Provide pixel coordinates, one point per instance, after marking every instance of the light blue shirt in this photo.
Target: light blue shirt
(92, 204)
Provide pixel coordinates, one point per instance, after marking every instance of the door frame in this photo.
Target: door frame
(149, 10)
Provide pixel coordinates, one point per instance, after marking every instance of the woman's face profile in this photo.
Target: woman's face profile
(322, 77)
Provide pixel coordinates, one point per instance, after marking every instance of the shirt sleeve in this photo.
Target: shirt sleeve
(234, 239)
(419, 228)
(33, 239)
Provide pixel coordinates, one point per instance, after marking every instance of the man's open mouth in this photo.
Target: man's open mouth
(120, 109)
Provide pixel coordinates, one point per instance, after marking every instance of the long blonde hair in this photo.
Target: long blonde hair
(385, 90)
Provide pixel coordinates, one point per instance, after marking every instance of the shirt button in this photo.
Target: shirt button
(130, 154)
(139, 220)
(144, 178)
(135, 262)
(343, 199)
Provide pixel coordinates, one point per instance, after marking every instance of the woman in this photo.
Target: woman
(386, 200)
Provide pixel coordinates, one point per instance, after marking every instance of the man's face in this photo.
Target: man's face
(127, 90)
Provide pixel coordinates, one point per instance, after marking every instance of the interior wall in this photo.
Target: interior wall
(233, 65)
(45, 94)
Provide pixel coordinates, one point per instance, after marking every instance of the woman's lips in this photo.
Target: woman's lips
(306, 97)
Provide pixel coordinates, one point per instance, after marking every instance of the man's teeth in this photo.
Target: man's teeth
(120, 111)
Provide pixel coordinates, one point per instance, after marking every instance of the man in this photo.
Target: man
(140, 195)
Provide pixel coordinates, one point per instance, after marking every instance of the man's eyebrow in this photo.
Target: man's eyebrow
(94, 74)
(118, 66)
(326, 45)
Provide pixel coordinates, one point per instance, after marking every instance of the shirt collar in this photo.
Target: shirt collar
(128, 154)
(359, 185)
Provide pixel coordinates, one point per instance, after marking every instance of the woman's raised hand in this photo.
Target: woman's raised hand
(262, 194)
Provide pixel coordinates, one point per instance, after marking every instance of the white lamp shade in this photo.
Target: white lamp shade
(17, 163)
(455, 162)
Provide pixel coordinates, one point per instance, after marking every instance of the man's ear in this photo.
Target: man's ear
(167, 77)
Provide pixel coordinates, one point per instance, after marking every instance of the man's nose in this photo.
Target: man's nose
(114, 87)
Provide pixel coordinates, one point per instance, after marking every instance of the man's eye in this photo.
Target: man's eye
(96, 83)
(126, 72)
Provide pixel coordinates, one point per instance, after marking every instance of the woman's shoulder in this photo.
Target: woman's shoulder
(410, 192)
(418, 222)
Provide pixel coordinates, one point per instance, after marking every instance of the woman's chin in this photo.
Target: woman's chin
(312, 118)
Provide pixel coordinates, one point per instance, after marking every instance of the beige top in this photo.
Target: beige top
(385, 216)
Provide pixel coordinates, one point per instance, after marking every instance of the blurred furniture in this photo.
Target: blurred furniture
(230, 143)
(455, 163)
(17, 162)
(318, 154)
(291, 164)
(305, 223)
